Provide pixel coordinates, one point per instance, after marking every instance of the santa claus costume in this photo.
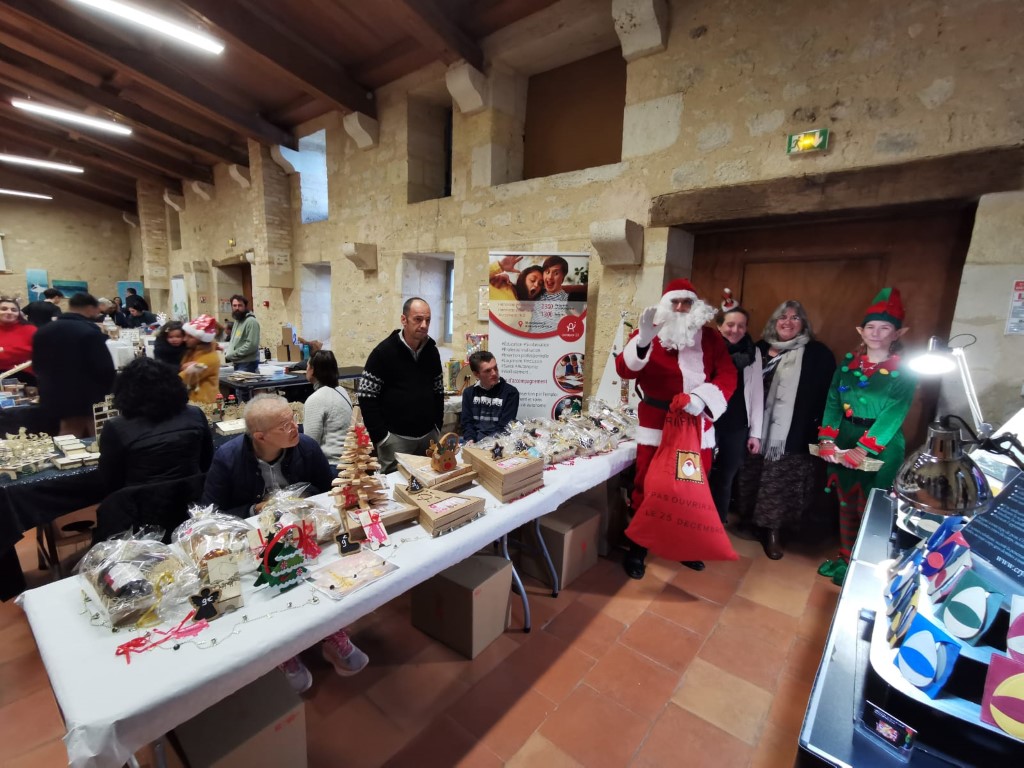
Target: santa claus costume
(683, 356)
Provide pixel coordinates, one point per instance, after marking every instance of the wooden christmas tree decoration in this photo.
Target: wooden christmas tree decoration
(358, 484)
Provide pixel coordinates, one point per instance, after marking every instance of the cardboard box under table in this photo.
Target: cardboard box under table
(261, 726)
(466, 607)
(571, 534)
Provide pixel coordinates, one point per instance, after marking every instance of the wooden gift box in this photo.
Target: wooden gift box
(391, 514)
(506, 478)
(440, 511)
(419, 467)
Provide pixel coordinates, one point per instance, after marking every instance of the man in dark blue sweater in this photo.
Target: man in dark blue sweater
(272, 454)
(401, 390)
(489, 406)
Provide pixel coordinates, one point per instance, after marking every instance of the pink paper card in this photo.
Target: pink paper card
(1003, 702)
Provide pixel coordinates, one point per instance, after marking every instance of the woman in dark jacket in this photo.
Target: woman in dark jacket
(169, 346)
(158, 436)
(780, 487)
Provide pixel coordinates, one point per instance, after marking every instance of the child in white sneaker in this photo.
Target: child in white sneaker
(339, 650)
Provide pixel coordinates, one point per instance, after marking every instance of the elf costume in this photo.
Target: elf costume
(865, 409)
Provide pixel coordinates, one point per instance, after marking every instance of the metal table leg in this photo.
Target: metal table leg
(547, 558)
(519, 583)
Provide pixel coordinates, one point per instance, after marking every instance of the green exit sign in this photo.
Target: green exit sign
(808, 141)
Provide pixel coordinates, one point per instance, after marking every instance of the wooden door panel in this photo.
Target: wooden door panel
(835, 268)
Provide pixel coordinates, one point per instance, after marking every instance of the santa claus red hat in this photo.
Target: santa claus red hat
(680, 288)
(203, 328)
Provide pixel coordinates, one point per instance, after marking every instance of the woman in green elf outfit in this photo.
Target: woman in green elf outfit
(867, 403)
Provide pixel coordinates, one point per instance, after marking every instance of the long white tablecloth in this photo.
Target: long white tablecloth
(111, 709)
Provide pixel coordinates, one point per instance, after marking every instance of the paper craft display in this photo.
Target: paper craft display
(1003, 702)
(373, 528)
(1015, 633)
(421, 470)
(223, 575)
(903, 616)
(344, 577)
(283, 563)
(970, 609)
(927, 656)
(205, 604)
(440, 511)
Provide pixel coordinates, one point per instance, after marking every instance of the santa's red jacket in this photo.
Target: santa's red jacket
(704, 369)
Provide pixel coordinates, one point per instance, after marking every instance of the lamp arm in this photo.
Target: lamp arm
(1006, 445)
(984, 429)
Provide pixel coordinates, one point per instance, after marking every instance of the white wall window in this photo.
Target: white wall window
(316, 302)
(429, 275)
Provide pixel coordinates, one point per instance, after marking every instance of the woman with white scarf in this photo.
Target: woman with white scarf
(779, 487)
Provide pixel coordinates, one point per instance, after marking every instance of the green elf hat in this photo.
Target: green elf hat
(887, 306)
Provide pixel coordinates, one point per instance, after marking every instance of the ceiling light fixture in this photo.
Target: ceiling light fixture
(71, 117)
(19, 193)
(33, 162)
(159, 24)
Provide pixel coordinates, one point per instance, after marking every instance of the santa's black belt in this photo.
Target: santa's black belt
(659, 404)
(859, 421)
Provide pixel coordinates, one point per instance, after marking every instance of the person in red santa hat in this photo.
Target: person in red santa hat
(668, 354)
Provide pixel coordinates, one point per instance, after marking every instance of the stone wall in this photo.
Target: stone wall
(892, 82)
(71, 238)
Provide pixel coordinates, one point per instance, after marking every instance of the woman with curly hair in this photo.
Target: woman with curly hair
(158, 436)
(530, 284)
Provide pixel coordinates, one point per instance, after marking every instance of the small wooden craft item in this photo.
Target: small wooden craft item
(221, 575)
(441, 512)
(347, 547)
(506, 478)
(423, 469)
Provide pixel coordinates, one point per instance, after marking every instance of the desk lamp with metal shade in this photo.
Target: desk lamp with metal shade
(940, 478)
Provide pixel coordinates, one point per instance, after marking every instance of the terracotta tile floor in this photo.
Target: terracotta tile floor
(714, 666)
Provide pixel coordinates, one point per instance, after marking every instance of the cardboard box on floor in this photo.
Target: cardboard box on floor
(571, 535)
(261, 726)
(466, 607)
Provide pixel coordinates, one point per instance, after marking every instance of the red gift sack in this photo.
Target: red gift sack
(677, 519)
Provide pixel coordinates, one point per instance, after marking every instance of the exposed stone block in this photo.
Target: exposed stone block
(642, 26)
(363, 129)
(467, 86)
(651, 126)
(619, 242)
(363, 255)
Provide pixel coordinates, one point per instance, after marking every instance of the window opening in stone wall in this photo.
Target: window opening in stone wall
(173, 229)
(429, 275)
(449, 301)
(311, 164)
(429, 138)
(316, 302)
(574, 116)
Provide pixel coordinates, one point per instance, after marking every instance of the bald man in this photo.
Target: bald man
(272, 454)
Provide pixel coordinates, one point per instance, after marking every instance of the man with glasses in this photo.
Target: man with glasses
(272, 454)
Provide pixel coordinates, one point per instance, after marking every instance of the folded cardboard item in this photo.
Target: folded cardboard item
(570, 534)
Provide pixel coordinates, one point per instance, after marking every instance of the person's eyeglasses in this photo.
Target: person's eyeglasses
(286, 426)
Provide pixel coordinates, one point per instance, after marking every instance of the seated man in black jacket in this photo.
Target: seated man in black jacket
(272, 454)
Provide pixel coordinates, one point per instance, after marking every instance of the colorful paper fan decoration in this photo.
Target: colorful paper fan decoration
(949, 551)
(927, 656)
(901, 619)
(1015, 634)
(1002, 705)
(945, 581)
(949, 526)
(970, 608)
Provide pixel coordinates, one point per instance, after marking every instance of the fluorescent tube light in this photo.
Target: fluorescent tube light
(19, 193)
(156, 23)
(71, 117)
(47, 164)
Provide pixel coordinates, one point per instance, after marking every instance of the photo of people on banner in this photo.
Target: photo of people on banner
(537, 311)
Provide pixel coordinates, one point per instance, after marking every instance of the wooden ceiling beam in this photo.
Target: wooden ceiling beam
(424, 21)
(71, 186)
(312, 71)
(45, 78)
(82, 154)
(144, 67)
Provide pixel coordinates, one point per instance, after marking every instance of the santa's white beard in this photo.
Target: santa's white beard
(678, 330)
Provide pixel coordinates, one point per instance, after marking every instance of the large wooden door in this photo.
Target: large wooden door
(835, 268)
